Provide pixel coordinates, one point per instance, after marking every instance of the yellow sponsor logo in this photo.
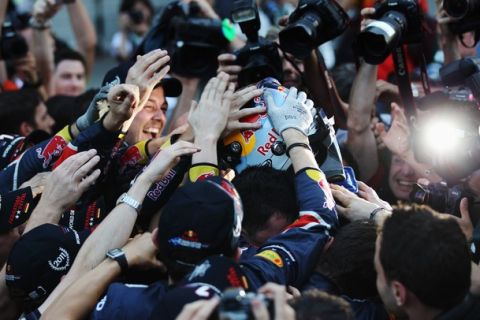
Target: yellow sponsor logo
(271, 256)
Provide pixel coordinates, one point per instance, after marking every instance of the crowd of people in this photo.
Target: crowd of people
(186, 187)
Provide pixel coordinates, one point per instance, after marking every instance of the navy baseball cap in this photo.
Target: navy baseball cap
(171, 86)
(200, 220)
(209, 279)
(15, 208)
(40, 259)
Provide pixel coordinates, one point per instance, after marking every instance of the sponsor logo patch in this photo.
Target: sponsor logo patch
(271, 256)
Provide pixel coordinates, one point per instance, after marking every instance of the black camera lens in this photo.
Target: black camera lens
(457, 8)
(381, 37)
(136, 16)
(299, 38)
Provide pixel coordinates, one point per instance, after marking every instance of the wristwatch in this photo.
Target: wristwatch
(125, 198)
(119, 256)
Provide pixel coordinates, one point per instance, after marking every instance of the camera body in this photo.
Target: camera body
(259, 58)
(194, 42)
(468, 14)
(235, 304)
(439, 197)
(397, 22)
(465, 72)
(313, 23)
(12, 45)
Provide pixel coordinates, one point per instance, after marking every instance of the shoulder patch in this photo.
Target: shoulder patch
(271, 256)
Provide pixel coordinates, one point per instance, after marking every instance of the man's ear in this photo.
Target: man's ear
(25, 128)
(399, 292)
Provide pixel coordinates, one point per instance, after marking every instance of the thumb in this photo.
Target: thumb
(340, 197)
(380, 128)
(269, 100)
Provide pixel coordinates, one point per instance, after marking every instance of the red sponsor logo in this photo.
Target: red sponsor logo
(247, 134)
(91, 215)
(52, 149)
(272, 138)
(233, 278)
(131, 157)
(17, 207)
(206, 175)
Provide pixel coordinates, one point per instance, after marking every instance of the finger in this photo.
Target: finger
(189, 310)
(341, 210)
(157, 65)
(212, 83)
(465, 214)
(206, 309)
(89, 180)
(150, 58)
(226, 57)
(193, 106)
(230, 70)
(269, 99)
(302, 97)
(158, 76)
(292, 94)
(86, 168)
(237, 125)
(221, 86)
(362, 186)
(76, 161)
(244, 96)
(247, 112)
(259, 310)
(340, 197)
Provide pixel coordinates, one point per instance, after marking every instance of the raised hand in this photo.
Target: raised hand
(209, 117)
(295, 112)
(147, 72)
(239, 99)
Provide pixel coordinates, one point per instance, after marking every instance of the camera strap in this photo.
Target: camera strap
(404, 83)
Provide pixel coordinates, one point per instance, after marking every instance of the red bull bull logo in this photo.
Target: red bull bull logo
(52, 150)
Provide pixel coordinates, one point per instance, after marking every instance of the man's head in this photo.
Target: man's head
(149, 122)
(23, 111)
(348, 262)
(316, 304)
(401, 178)
(69, 77)
(269, 202)
(200, 220)
(139, 15)
(422, 261)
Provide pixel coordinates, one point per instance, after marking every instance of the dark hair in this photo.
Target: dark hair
(348, 262)
(343, 76)
(319, 305)
(127, 5)
(427, 253)
(66, 109)
(69, 54)
(265, 191)
(17, 107)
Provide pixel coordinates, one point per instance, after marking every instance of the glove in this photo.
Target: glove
(296, 111)
(91, 115)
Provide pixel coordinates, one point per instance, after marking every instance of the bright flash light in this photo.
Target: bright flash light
(443, 136)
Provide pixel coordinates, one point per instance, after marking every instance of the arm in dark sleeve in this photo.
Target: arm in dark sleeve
(290, 257)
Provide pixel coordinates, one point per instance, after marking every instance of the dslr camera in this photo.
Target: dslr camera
(12, 45)
(439, 197)
(397, 22)
(194, 42)
(259, 58)
(236, 304)
(463, 72)
(467, 13)
(313, 23)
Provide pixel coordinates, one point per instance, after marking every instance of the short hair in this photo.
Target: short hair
(66, 109)
(319, 305)
(17, 107)
(69, 54)
(265, 191)
(348, 262)
(127, 5)
(428, 253)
